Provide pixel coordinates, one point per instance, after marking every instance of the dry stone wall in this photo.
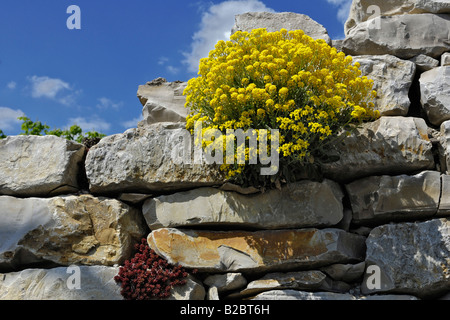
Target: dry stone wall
(377, 227)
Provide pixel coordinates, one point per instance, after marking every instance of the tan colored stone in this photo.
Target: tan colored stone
(66, 230)
(236, 251)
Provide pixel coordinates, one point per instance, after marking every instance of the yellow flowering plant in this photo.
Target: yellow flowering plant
(281, 80)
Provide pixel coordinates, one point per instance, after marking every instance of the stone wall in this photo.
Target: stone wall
(376, 228)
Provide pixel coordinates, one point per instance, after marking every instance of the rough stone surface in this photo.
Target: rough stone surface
(444, 203)
(413, 258)
(277, 21)
(39, 166)
(192, 290)
(238, 251)
(95, 283)
(345, 272)
(444, 146)
(387, 198)
(424, 63)
(299, 280)
(404, 36)
(163, 101)
(147, 160)
(388, 146)
(435, 94)
(303, 295)
(66, 230)
(359, 11)
(445, 59)
(226, 282)
(392, 81)
(297, 205)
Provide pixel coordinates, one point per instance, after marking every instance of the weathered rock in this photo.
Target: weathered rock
(388, 146)
(238, 251)
(297, 205)
(413, 258)
(360, 10)
(212, 294)
(444, 203)
(163, 101)
(435, 94)
(345, 272)
(379, 199)
(303, 295)
(147, 160)
(39, 166)
(276, 21)
(75, 283)
(66, 230)
(445, 59)
(403, 36)
(299, 280)
(192, 290)
(424, 63)
(78, 283)
(226, 282)
(392, 81)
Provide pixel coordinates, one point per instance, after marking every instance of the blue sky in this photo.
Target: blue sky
(90, 76)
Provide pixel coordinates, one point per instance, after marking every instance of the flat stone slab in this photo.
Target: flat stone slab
(273, 250)
(297, 205)
(39, 166)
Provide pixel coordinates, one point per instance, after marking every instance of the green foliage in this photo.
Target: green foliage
(37, 128)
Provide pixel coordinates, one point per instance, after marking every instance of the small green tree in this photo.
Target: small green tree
(74, 133)
(32, 128)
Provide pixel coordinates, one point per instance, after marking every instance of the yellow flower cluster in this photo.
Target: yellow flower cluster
(280, 80)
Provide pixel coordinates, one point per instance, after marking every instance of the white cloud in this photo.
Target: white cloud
(105, 103)
(216, 24)
(11, 85)
(8, 118)
(132, 123)
(172, 69)
(92, 124)
(162, 60)
(343, 8)
(52, 88)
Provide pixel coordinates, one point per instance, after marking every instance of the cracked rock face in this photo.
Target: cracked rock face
(66, 230)
(413, 258)
(147, 160)
(273, 22)
(363, 10)
(298, 205)
(39, 166)
(236, 251)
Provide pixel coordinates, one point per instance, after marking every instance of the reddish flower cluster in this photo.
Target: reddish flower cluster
(148, 276)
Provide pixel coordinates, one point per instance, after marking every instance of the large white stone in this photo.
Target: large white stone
(392, 81)
(435, 94)
(276, 21)
(297, 205)
(77, 283)
(39, 165)
(404, 36)
(388, 146)
(66, 230)
(363, 10)
(163, 101)
(148, 160)
(388, 198)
